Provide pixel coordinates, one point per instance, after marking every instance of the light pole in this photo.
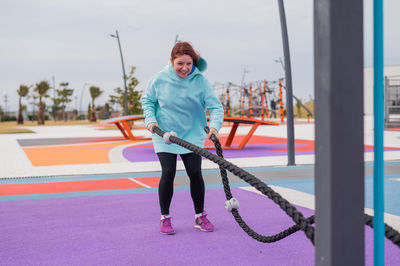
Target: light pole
(80, 100)
(123, 72)
(54, 100)
(5, 102)
(280, 61)
(289, 90)
(244, 74)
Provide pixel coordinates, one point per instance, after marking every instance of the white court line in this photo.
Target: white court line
(140, 183)
(394, 179)
(308, 201)
(116, 155)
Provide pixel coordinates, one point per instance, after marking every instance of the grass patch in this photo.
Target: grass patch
(11, 130)
(303, 112)
(108, 128)
(11, 127)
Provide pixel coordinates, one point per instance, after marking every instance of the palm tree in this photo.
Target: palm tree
(134, 96)
(22, 92)
(41, 88)
(95, 92)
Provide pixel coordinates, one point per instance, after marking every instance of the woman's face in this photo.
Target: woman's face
(182, 65)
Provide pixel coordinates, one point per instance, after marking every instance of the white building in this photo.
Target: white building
(392, 98)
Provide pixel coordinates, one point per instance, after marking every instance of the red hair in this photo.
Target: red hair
(185, 48)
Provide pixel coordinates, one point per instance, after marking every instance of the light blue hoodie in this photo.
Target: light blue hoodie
(179, 104)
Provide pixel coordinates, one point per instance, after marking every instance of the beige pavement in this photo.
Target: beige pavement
(14, 162)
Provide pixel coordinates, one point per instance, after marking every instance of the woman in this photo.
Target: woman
(176, 100)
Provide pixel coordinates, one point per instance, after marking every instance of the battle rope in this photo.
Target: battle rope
(390, 233)
(235, 212)
(232, 204)
(301, 222)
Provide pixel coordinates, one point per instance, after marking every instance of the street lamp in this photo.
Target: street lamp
(176, 38)
(80, 100)
(288, 81)
(54, 99)
(123, 71)
(280, 61)
(5, 102)
(245, 71)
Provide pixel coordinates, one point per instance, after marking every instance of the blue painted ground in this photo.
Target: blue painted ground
(392, 186)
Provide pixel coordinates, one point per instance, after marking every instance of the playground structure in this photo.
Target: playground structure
(256, 99)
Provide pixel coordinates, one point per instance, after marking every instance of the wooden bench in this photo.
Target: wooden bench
(123, 125)
(242, 120)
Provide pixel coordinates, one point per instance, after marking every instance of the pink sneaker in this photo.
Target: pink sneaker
(166, 227)
(203, 223)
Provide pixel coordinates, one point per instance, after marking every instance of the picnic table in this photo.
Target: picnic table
(123, 125)
(243, 120)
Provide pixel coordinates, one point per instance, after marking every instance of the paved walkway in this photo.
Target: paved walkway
(15, 157)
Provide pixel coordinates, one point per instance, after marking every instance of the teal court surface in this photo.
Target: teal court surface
(101, 207)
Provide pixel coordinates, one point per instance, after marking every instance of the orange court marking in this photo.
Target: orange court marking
(72, 154)
(76, 186)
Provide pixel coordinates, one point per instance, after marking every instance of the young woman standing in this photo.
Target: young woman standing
(176, 100)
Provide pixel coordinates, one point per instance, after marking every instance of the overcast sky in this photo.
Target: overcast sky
(70, 40)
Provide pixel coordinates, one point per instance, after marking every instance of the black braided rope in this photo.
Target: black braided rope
(268, 239)
(303, 223)
(390, 233)
(235, 212)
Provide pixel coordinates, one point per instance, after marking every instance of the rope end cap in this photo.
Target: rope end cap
(167, 135)
(231, 204)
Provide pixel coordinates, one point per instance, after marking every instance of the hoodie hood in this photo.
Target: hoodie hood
(202, 64)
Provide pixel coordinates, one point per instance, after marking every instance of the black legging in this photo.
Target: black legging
(192, 164)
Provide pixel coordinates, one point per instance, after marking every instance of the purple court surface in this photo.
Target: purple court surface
(145, 152)
(124, 230)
